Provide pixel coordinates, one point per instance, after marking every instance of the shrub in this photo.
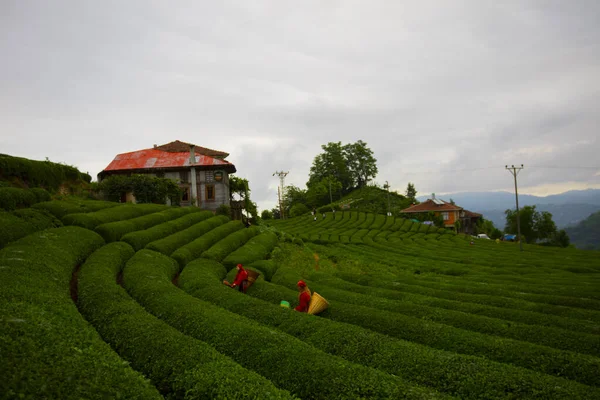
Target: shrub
(181, 367)
(40, 194)
(286, 361)
(122, 212)
(172, 242)
(186, 253)
(255, 249)
(223, 209)
(13, 198)
(456, 374)
(23, 222)
(48, 349)
(60, 208)
(298, 209)
(113, 231)
(225, 246)
(40, 173)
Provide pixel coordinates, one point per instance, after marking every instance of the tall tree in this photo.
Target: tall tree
(361, 164)
(292, 195)
(241, 187)
(534, 225)
(411, 192)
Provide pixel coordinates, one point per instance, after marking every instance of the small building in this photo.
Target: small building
(450, 213)
(202, 174)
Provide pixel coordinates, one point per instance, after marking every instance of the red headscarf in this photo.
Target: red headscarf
(301, 284)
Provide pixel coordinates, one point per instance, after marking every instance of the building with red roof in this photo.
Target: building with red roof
(202, 173)
(450, 213)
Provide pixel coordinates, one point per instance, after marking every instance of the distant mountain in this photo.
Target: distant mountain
(567, 208)
(586, 234)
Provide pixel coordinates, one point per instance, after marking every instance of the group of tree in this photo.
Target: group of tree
(536, 227)
(145, 188)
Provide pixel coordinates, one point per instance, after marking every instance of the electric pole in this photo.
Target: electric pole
(515, 171)
(387, 186)
(280, 194)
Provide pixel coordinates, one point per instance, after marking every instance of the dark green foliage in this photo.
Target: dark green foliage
(286, 361)
(257, 248)
(267, 267)
(139, 239)
(122, 212)
(60, 208)
(227, 245)
(459, 375)
(535, 225)
(113, 231)
(44, 174)
(172, 242)
(178, 365)
(586, 234)
(20, 223)
(145, 188)
(48, 350)
(223, 209)
(298, 209)
(13, 198)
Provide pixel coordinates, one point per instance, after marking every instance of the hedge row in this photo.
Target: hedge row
(60, 208)
(12, 198)
(113, 231)
(125, 211)
(455, 374)
(227, 245)
(172, 242)
(578, 367)
(178, 365)
(48, 350)
(257, 248)
(19, 223)
(546, 336)
(288, 362)
(194, 249)
(40, 173)
(139, 239)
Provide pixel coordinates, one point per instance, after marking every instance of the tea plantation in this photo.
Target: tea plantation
(106, 300)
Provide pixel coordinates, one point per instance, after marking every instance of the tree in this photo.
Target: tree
(241, 188)
(318, 193)
(298, 209)
(353, 165)
(266, 214)
(411, 192)
(534, 225)
(361, 163)
(293, 195)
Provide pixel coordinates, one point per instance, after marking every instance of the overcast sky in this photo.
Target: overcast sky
(445, 93)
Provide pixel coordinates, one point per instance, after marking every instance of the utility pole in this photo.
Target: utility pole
(515, 171)
(387, 186)
(280, 194)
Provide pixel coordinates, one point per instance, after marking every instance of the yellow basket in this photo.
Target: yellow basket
(252, 276)
(317, 304)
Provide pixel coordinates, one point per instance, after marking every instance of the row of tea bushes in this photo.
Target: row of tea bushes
(257, 248)
(12, 198)
(172, 242)
(20, 223)
(455, 374)
(113, 231)
(178, 365)
(121, 212)
(546, 336)
(39, 173)
(230, 243)
(140, 239)
(48, 350)
(510, 315)
(578, 367)
(286, 361)
(195, 248)
(60, 208)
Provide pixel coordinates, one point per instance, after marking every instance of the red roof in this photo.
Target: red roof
(181, 147)
(161, 158)
(430, 205)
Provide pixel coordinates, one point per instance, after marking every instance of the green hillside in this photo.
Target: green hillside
(586, 234)
(371, 199)
(127, 301)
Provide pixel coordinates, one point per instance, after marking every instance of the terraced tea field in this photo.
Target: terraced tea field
(127, 301)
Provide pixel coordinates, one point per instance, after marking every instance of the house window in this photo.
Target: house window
(183, 176)
(185, 194)
(210, 176)
(446, 216)
(210, 192)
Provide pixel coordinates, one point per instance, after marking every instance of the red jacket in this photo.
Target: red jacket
(241, 276)
(304, 299)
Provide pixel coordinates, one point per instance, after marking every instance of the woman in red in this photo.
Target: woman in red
(241, 279)
(303, 297)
